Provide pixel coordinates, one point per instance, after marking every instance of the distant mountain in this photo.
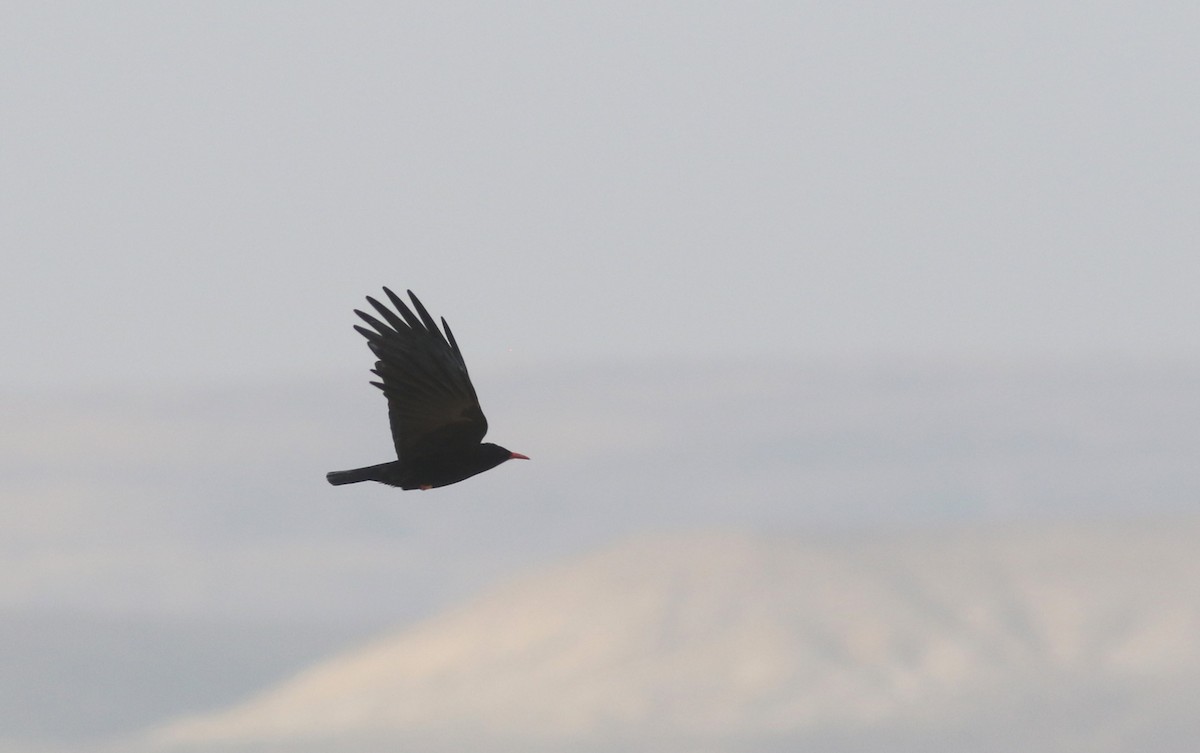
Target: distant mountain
(1059, 639)
(152, 511)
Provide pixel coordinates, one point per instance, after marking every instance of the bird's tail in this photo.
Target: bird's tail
(370, 473)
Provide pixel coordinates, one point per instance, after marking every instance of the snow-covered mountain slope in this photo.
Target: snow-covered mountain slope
(735, 640)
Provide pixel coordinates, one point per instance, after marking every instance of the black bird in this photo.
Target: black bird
(437, 425)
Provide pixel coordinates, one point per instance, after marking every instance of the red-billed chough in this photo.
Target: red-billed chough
(437, 425)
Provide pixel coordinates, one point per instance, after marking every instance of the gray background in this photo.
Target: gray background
(844, 270)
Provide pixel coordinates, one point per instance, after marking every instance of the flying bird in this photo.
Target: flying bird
(437, 424)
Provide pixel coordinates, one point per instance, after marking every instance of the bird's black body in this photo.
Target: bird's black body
(437, 424)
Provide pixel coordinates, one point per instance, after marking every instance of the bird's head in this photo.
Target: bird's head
(499, 454)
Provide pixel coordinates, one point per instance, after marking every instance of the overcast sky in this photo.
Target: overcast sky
(201, 192)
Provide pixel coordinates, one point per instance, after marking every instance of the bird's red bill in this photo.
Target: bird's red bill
(518, 456)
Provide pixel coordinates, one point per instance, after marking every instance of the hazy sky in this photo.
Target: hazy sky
(202, 192)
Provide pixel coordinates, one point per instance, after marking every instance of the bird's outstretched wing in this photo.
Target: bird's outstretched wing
(431, 403)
